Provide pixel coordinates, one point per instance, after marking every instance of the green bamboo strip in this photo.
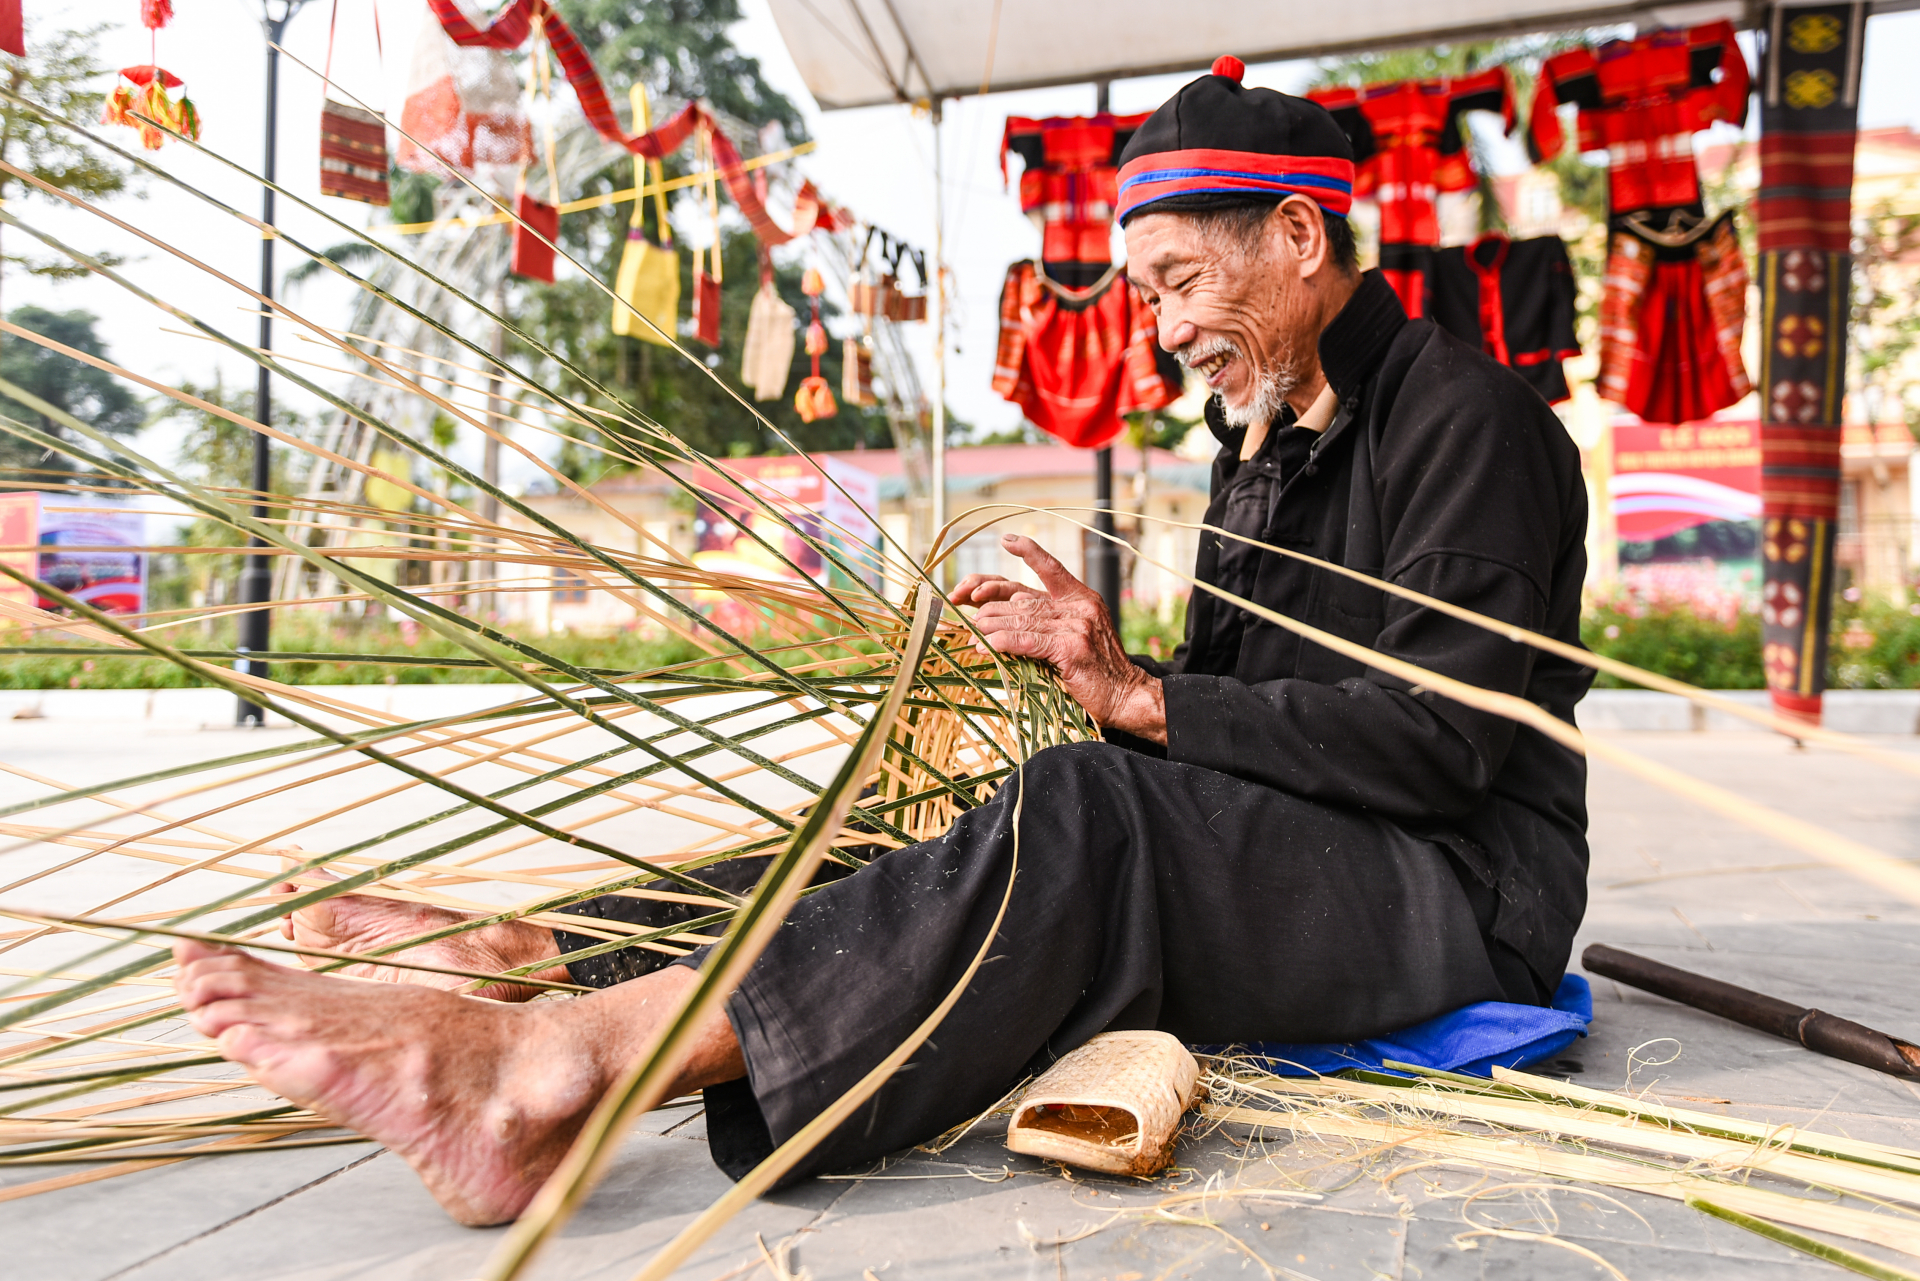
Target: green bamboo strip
(1805, 1244)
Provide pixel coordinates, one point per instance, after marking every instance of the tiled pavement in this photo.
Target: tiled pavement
(1668, 880)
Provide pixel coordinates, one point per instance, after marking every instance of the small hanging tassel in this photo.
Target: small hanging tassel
(706, 306)
(141, 101)
(187, 118)
(814, 400)
(531, 258)
(13, 32)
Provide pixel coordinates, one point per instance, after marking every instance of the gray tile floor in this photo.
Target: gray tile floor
(1668, 880)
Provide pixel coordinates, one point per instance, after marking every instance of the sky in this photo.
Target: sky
(878, 162)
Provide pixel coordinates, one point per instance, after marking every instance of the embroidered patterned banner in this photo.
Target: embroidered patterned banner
(1809, 108)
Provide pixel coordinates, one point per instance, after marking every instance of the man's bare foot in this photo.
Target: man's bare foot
(362, 923)
(481, 1099)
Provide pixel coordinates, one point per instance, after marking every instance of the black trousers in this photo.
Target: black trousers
(1149, 894)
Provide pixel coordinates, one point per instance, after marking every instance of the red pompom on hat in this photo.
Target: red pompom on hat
(1231, 67)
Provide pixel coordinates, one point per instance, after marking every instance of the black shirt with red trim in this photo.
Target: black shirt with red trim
(1514, 300)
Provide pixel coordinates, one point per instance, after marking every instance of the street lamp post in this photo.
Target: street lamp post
(1103, 555)
(256, 580)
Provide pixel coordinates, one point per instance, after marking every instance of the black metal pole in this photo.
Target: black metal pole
(256, 579)
(1103, 558)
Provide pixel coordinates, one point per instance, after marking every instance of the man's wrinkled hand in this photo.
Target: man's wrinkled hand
(1066, 625)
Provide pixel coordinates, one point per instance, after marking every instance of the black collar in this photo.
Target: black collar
(1351, 348)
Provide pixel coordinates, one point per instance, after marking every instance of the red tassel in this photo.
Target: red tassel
(814, 400)
(13, 36)
(531, 258)
(142, 92)
(156, 13)
(706, 308)
(187, 118)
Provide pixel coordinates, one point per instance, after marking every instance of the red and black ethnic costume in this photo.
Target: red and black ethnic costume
(1407, 149)
(1513, 299)
(1809, 109)
(1675, 286)
(1075, 360)
(1069, 187)
(1641, 101)
(1077, 346)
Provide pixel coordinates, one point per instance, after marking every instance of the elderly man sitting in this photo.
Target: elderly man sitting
(1274, 843)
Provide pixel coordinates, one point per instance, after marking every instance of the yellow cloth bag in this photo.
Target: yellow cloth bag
(649, 277)
(649, 283)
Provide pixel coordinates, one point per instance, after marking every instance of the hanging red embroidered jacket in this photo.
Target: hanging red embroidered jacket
(1409, 131)
(1075, 360)
(1071, 181)
(1408, 148)
(1642, 101)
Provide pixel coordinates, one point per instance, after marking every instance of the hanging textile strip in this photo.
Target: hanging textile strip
(1809, 116)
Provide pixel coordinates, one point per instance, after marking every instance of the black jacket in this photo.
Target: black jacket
(1444, 472)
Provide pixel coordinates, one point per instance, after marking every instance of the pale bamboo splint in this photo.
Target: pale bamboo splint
(1113, 1105)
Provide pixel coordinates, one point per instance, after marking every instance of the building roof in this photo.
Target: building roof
(971, 468)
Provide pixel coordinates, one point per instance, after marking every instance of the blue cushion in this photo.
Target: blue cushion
(1472, 1040)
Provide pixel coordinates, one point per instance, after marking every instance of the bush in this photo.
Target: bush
(1875, 644)
(1675, 641)
(308, 633)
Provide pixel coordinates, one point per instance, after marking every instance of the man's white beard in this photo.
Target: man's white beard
(1270, 388)
(1270, 385)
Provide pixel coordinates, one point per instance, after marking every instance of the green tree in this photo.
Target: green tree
(1886, 314)
(60, 73)
(92, 395)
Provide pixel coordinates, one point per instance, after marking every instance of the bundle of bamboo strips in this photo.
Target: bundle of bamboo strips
(1535, 1126)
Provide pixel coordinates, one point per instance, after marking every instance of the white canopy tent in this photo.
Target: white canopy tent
(861, 53)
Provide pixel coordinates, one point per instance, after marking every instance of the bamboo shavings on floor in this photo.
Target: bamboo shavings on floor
(1520, 1124)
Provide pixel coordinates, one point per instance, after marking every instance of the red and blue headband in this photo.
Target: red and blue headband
(1325, 180)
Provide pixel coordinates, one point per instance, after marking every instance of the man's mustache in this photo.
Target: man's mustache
(1192, 356)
